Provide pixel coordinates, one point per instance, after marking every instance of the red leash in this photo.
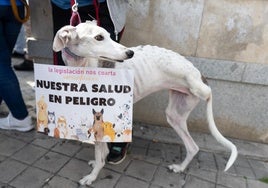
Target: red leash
(75, 18)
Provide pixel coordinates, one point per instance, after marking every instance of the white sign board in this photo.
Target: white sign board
(82, 103)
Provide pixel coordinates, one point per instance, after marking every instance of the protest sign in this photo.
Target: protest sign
(82, 103)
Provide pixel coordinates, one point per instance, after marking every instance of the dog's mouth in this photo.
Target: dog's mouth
(110, 59)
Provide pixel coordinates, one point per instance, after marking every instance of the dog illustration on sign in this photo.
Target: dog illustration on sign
(103, 130)
(42, 116)
(61, 130)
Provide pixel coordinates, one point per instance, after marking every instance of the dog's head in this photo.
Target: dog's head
(42, 105)
(61, 123)
(98, 116)
(89, 40)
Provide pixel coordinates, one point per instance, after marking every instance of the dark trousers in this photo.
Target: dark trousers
(9, 86)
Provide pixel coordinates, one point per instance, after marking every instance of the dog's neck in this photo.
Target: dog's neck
(74, 60)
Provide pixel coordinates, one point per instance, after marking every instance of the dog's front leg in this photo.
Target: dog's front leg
(101, 152)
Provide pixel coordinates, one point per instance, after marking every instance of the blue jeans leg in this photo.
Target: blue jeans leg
(9, 86)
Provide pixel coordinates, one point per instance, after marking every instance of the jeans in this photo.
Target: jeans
(9, 86)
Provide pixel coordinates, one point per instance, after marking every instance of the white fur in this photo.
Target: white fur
(155, 69)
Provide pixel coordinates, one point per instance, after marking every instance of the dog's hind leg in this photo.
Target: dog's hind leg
(101, 152)
(179, 108)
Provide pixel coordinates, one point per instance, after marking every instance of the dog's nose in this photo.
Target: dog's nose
(130, 53)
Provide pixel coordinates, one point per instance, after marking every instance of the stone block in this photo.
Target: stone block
(9, 169)
(32, 177)
(141, 170)
(234, 30)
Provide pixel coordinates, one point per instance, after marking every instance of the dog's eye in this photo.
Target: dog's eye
(99, 37)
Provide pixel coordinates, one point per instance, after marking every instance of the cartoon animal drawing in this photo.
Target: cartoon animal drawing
(103, 131)
(61, 130)
(119, 136)
(127, 135)
(42, 119)
(51, 123)
(97, 125)
(72, 132)
(109, 131)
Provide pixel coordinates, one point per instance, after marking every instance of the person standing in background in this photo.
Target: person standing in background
(20, 51)
(109, 14)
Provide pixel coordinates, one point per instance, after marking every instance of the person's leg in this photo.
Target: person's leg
(19, 51)
(9, 86)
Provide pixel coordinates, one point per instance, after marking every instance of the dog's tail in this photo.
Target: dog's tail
(218, 136)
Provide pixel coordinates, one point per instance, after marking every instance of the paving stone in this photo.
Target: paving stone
(29, 154)
(52, 162)
(138, 142)
(207, 161)
(172, 158)
(45, 142)
(58, 182)
(75, 169)
(138, 150)
(119, 167)
(155, 186)
(141, 170)
(9, 146)
(127, 181)
(9, 169)
(242, 162)
(2, 158)
(231, 181)
(69, 148)
(260, 168)
(22, 136)
(192, 182)
(106, 178)
(245, 172)
(152, 160)
(165, 178)
(156, 154)
(207, 175)
(221, 161)
(4, 185)
(86, 153)
(31, 178)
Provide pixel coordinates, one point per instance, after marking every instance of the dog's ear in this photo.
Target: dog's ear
(63, 37)
(102, 111)
(93, 111)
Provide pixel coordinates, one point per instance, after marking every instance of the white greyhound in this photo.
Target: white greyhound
(154, 69)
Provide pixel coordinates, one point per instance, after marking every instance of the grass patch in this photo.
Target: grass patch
(264, 180)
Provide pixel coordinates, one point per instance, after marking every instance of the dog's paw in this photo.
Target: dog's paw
(175, 168)
(87, 180)
(92, 163)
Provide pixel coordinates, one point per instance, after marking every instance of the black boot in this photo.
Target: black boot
(26, 65)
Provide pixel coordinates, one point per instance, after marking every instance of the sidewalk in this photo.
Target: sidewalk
(33, 160)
